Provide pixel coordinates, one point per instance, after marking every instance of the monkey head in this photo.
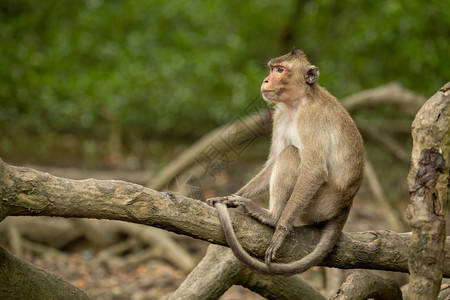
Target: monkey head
(289, 77)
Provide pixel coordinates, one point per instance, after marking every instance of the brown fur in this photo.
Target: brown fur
(314, 169)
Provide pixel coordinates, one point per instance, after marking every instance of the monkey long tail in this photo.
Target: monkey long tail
(330, 235)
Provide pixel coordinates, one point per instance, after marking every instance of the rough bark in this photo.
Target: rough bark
(212, 277)
(444, 293)
(363, 285)
(25, 192)
(430, 128)
(21, 280)
(429, 186)
(220, 269)
(277, 287)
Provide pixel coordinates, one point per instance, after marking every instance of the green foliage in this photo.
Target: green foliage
(176, 69)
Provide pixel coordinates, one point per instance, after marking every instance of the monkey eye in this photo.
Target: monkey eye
(280, 69)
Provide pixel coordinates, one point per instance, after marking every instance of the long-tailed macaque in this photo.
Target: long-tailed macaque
(314, 169)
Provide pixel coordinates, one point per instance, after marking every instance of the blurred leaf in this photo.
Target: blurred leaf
(177, 69)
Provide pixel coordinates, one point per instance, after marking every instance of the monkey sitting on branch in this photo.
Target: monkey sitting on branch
(314, 169)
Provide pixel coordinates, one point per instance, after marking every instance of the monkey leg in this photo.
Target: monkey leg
(291, 195)
(283, 181)
(277, 240)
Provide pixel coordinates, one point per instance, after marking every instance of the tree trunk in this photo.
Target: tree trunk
(429, 185)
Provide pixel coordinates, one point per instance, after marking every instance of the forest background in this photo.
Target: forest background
(118, 83)
(130, 85)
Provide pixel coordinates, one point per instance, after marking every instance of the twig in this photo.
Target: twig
(114, 250)
(333, 279)
(15, 240)
(389, 143)
(132, 260)
(158, 239)
(392, 217)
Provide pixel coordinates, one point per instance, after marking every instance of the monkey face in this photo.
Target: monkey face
(289, 78)
(281, 85)
(274, 82)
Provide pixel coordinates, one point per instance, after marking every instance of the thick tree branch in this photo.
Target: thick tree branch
(26, 191)
(364, 285)
(213, 276)
(21, 280)
(220, 269)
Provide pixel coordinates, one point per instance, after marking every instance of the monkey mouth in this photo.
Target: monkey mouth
(269, 95)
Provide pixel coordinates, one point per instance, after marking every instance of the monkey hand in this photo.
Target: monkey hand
(277, 240)
(229, 201)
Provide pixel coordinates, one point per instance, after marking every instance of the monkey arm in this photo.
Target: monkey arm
(313, 174)
(259, 184)
(250, 208)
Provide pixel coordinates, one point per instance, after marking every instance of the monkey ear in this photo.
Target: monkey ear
(312, 74)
